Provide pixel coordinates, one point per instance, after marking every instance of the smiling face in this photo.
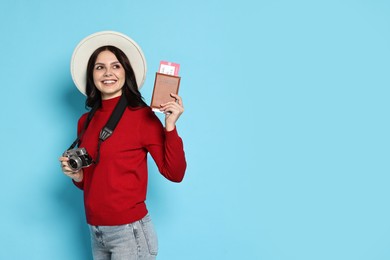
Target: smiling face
(108, 75)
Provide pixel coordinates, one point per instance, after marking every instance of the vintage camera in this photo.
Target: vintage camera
(78, 158)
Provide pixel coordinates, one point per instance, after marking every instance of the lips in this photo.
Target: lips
(109, 81)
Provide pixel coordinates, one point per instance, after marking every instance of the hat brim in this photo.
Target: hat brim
(88, 45)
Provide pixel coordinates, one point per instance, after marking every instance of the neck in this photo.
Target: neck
(109, 104)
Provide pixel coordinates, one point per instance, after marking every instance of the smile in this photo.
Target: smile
(109, 81)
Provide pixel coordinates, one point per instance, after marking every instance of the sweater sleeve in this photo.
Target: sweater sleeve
(165, 147)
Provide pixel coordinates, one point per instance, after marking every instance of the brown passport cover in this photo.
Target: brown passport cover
(164, 85)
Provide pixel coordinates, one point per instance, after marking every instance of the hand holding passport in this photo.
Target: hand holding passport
(166, 82)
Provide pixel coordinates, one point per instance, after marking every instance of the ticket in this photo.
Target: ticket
(169, 68)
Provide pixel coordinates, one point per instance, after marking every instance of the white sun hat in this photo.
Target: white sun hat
(88, 45)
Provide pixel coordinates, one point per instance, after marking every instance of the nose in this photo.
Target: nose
(107, 73)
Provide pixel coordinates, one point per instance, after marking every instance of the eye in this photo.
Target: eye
(117, 66)
(98, 67)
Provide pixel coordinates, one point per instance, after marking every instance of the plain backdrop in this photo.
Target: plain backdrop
(286, 126)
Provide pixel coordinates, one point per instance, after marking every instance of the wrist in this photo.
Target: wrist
(169, 127)
(78, 179)
(78, 176)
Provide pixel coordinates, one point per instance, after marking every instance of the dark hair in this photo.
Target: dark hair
(130, 88)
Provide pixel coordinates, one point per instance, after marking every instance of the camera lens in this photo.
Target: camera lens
(75, 163)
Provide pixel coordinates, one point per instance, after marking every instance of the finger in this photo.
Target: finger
(168, 106)
(65, 168)
(177, 103)
(68, 172)
(64, 159)
(178, 99)
(172, 107)
(170, 102)
(174, 95)
(64, 163)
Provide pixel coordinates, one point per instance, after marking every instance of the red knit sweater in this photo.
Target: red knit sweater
(115, 188)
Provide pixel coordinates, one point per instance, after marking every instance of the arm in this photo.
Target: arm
(165, 145)
(77, 177)
(169, 155)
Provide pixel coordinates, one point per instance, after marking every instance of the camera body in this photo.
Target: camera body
(78, 158)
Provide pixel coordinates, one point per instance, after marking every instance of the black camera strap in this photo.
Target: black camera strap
(86, 123)
(110, 126)
(112, 122)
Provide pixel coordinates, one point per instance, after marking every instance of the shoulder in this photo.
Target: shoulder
(82, 118)
(144, 113)
(146, 118)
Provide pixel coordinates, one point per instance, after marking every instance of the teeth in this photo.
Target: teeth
(108, 81)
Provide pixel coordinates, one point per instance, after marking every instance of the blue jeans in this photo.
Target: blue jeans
(134, 241)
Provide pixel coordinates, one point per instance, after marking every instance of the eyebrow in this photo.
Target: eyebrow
(112, 63)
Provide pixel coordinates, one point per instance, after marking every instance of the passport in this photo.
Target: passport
(164, 85)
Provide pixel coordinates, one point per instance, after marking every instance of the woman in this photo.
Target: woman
(115, 186)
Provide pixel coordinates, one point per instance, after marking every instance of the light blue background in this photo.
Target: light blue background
(286, 126)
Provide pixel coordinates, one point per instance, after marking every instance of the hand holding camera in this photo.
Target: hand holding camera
(73, 161)
(78, 158)
(76, 176)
